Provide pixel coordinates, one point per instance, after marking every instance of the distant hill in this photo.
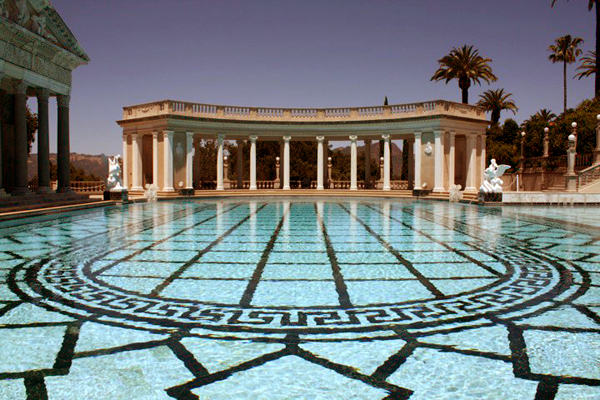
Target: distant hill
(91, 164)
(396, 155)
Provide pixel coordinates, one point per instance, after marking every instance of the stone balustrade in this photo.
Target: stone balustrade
(391, 112)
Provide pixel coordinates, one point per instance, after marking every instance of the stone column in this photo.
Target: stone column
(155, 159)
(452, 160)
(20, 112)
(367, 163)
(168, 161)
(2, 191)
(482, 154)
(240, 163)
(471, 172)
(597, 149)
(353, 162)
(329, 166)
(136, 158)
(220, 138)
(387, 163)
(253, 139)
(571, 176)
(417, 152)
(125, 168)
(64, 153)
(438, 153)
(189, 161)
(281, 146)
(286, 162)
(325, 155)
(43, 142)
(410, 176)
(320, 162)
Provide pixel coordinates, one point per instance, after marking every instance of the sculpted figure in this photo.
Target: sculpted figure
(22, 15)
(491, 177)
(3, 9)
(39, 24)
(113, 182)
(150, 192)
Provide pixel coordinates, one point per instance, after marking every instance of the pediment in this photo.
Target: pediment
(40, 18)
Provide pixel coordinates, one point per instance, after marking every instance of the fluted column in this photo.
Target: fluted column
(21, 145)
(168, 161)
(253, 139)
(240, 164)
(353, 162)
(220, 139)
(189, 160)
(125, 161)
(597, 149)
(136, 158)
(43, 144)
(482, 156)
(471, 168)
(386, 163)
(320, 162)
(367, 163)
(325, 156)
(438, 179)
(417, 152)
(155, 159)
(64, 152)
(452, 160)
(286, 162)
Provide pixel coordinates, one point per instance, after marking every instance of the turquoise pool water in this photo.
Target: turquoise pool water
(302, 299)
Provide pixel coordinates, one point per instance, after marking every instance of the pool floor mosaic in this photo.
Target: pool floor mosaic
(294, 299)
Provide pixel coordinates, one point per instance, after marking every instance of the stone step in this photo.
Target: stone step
(36, 201)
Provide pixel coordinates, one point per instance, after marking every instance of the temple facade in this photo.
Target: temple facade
(38, 52)
(446, 140)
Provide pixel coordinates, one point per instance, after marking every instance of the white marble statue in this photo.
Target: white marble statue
(150, 192)
(455, 194)
(491, 177)
(113, 182)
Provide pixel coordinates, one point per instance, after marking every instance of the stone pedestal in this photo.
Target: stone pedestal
(186, 192)
(571, 182)
(421, 192)
(116, 195)
(486, 198)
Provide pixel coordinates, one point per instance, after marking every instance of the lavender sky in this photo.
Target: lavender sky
(307, 53)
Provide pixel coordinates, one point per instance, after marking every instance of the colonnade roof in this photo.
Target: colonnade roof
(399, 120)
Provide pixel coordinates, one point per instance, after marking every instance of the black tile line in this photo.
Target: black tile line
(588, 313)
(33, 325)
(248, 294)
(149, 247)
(188, 359)
(391, 365)
(340, 285)
(427, 333)
(122, 349)
(447, 246)
(421, 278)
(35, 387)
(550, 328)
(181, 391)
(9, 306)
(64, 358)
(157, 290)
(352, 373)
(466, 352)
(546, 390)
(559, 223)
(201, 278)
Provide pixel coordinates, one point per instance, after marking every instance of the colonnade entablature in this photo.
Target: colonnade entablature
(447, 141)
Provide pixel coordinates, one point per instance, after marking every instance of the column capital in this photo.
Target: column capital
(188, 134)
(452, 134)
(437, 133)
(220, 137)
(353, 138)
(63, 100)
(418, 135)
(168, 133)
(42, 95)
(20, 86)
(385, 136)
(253, 138)
(155, 135)
(320, 138)
(287, 138)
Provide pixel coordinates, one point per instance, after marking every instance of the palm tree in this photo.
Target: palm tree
(597, 52)
(588, 66)
(545, 115)
(565, 50)
(466, 65)
(495, 101)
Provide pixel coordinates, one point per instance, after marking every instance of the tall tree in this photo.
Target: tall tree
(466, 65)
(597, 52)
(565, 50)
(495, 101)
(588, 66)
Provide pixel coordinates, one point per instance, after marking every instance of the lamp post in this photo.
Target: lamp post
(277, 167)
(545, 160)
(329, 166)
(571, 176)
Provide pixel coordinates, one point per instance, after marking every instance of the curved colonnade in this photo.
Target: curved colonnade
(447, 140)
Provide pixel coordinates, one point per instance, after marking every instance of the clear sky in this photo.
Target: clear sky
(307, 53)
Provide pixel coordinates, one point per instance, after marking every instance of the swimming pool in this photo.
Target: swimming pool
(296, 298)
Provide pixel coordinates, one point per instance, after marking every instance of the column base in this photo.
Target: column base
(320, 188)
(64, 190)
(137, 189)
(21, 191)
(438, 190)
(220, 188)
(470, 189)
(167, 189)
(387, 188)
(286, 188)
(44, 190)
(353, 188)
(253, 188)
(571, 182)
